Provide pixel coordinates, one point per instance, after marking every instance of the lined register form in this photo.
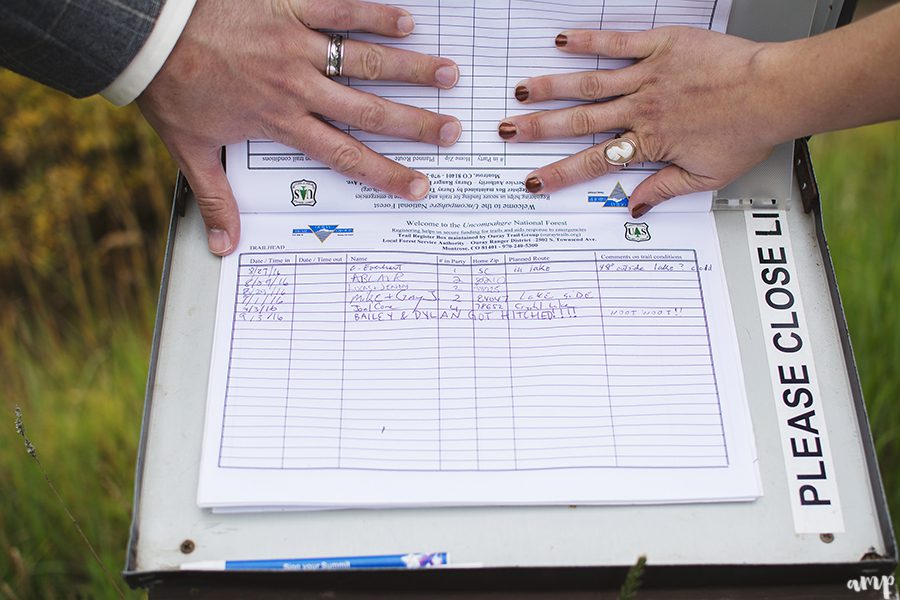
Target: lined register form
(390, 358)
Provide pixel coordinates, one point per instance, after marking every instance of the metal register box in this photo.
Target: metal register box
(541, 548)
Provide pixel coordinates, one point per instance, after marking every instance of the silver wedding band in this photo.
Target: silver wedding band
(620, 151)
(334, 61)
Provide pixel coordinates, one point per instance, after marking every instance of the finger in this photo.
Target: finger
(593, 85)
(582, 166)
(204, 172)
(566, 122)
(611, 44)
(371, 61)
(353, 15)
(367, 112)
(667, 183)
(348, 156)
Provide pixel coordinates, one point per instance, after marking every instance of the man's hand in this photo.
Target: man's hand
(255, 70)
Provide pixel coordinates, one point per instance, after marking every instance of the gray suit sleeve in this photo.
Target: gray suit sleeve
(76, 46)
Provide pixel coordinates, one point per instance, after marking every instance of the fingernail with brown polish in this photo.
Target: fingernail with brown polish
(507, 130)
(534, 184)
(561, 40)
(521, 93)
(640, 210)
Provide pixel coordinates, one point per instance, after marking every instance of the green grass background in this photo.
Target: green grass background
(859, 179)
(75, 324)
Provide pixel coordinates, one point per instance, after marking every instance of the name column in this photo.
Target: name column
(390, 417)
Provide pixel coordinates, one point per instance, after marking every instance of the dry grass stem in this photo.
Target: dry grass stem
(32, 452)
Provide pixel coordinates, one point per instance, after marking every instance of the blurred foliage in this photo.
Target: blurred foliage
(859, 178)
(84, 199)
(82, 408)
(85, 192)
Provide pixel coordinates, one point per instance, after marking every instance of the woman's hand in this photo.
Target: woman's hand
(694, 99)
(255, 70)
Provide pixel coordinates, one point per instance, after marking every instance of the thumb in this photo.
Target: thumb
(204, 172)
(667, 183)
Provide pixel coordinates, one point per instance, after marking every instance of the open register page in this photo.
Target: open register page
(485, 347)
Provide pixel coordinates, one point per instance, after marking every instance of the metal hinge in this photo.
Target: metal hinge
(182, 189)
(806, 177)
(745, 203)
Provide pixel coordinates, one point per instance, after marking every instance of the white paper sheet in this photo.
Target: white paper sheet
(396, 361)
(370, 356)
(496, 43)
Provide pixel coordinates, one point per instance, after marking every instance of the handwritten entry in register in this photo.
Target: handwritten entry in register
(392, 360)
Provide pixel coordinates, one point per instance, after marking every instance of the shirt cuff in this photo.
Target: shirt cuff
(151, 57)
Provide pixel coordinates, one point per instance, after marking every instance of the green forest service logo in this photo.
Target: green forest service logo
(303, 193)
(637, 232)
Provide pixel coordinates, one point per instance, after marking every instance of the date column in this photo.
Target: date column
(253, 433)
(313, 415)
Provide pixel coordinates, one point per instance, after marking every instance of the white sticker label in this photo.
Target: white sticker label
(804, 436)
